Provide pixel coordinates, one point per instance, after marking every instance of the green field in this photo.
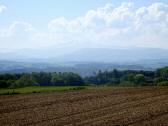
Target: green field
(38, 89)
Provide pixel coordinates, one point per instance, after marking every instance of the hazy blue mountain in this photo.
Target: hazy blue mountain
(83, 61)
(115, 55)
(82, 68)
(87, 54)
(29, 54)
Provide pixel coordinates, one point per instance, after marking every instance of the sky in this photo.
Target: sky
(40, 24)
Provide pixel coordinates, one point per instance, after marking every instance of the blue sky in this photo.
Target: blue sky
(46, 17)
(46, 10)
(40, 12)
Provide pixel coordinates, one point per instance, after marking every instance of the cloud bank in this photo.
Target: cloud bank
(106, 26)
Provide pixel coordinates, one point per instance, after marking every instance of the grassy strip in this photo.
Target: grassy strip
(38, 89)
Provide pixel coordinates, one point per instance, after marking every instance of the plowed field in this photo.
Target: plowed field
(96, 107)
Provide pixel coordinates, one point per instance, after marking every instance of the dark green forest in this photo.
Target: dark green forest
(110, 78)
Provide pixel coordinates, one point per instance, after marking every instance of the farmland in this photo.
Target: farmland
(95, 106)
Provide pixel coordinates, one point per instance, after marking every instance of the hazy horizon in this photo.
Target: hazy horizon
(77, 24)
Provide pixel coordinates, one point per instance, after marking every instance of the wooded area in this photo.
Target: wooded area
(111, 78)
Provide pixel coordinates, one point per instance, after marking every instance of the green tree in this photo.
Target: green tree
(139, 79)
(42, 78)
(163, 83)
(163, 72)
(57, 80)
(25, 81)
(3, 84)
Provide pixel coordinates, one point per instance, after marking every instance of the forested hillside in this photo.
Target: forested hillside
(113, 78)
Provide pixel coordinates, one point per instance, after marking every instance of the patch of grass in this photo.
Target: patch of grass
(7, 91)
(38, 89)
(77, 88)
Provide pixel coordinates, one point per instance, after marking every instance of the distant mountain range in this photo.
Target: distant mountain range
(83, 61)
(87, 54)
(115, 55)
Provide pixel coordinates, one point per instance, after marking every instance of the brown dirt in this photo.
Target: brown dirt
(96, 107)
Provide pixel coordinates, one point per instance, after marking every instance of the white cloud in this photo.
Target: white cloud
(63, 25)
(152, 18)
(2, 8)
(104, 18)
(16, 27)
(17, 35)
(58, 25)
(124, 25)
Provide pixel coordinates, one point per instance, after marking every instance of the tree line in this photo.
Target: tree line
(40, 79)
(113, 78)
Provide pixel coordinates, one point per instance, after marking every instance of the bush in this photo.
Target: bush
(139, 79)
(164, 83)
(11, 93)
(78, 88)
(3, 84)
(159, 79)
(127, 84)
(24, 81)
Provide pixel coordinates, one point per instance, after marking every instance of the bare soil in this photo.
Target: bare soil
(145, 106)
